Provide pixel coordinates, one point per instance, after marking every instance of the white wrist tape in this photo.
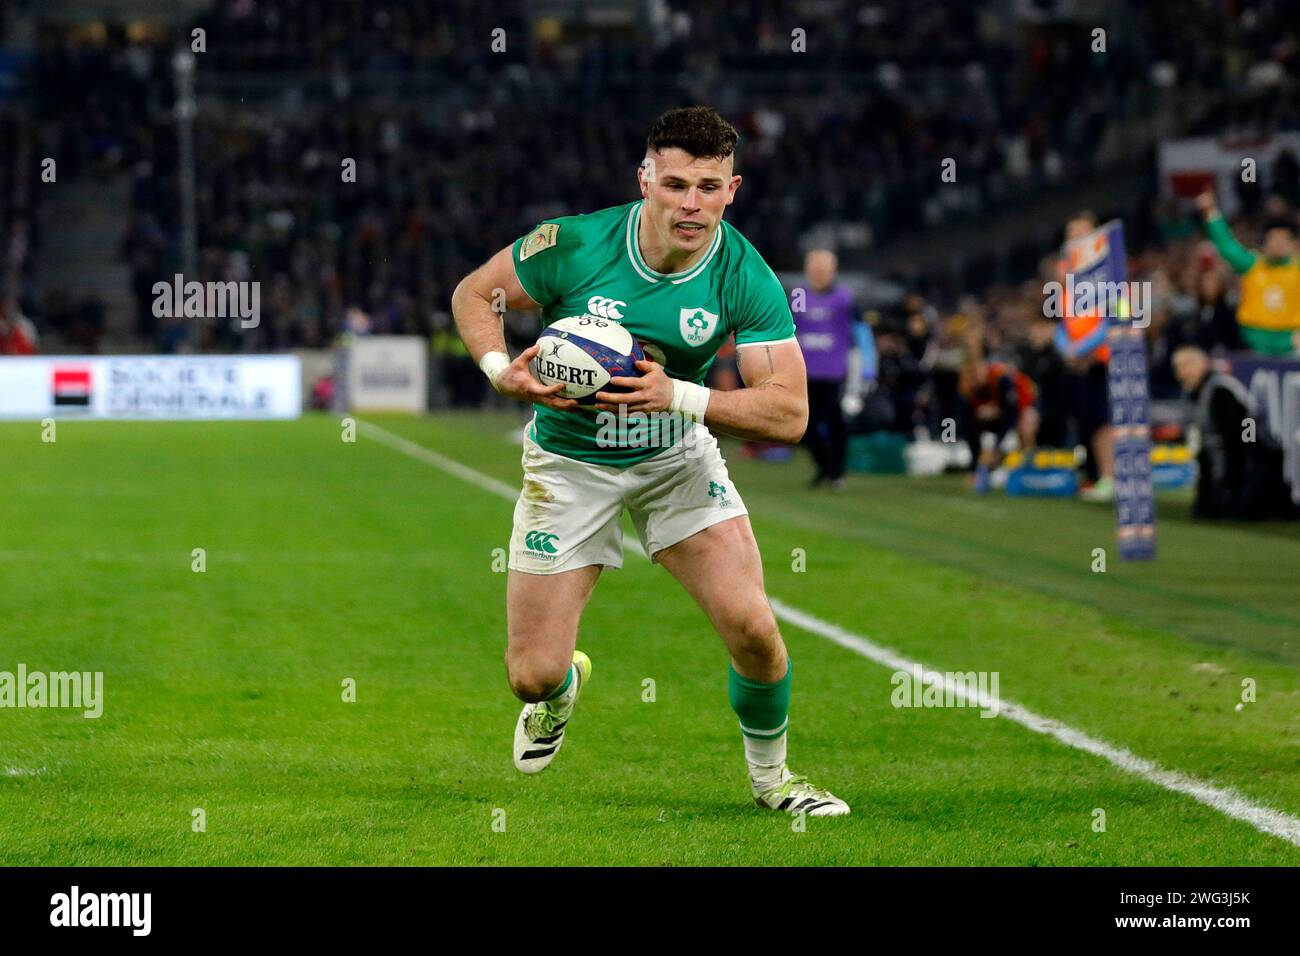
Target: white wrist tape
(689, 400)
(493, 364)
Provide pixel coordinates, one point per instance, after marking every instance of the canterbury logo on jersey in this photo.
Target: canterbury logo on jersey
(543, 541)
(604, 308)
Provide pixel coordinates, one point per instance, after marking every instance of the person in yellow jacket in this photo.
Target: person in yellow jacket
(1269, 311)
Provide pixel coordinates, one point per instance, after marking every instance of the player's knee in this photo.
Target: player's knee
(532, 686)
(533, 678)
(754, 635)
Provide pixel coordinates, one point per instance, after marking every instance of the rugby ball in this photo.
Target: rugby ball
(583, 353)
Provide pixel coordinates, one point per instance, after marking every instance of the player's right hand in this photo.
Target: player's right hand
(1205, 202)
(517, 380)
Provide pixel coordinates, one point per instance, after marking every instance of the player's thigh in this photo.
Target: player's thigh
(542, 616)
(721, 568)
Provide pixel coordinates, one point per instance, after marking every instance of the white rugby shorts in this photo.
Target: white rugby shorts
(569, 513)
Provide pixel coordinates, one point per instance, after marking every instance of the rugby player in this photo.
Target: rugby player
(681, 281)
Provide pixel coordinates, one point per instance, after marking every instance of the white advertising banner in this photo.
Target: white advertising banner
(150, 386)
(385, 373)
(1189, 166)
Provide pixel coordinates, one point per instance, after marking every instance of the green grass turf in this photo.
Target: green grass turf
(328, 560)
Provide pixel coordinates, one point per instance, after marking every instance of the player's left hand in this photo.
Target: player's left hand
(651, 392)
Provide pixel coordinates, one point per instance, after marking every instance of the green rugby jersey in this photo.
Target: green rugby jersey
(592, 265)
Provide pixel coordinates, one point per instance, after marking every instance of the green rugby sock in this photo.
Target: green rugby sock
(762, 708)
(560, 691)
(763, 711)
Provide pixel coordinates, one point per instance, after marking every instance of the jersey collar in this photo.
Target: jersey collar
(650, 275)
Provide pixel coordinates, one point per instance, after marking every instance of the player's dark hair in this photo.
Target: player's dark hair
(697, 130)
(1280, 223)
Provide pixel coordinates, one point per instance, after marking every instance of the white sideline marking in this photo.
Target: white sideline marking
(431, 457)
(453, 467)
(1223, 799)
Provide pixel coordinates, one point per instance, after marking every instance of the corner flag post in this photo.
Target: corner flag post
(1099, 258)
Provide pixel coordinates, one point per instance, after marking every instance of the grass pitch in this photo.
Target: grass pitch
(327, 561)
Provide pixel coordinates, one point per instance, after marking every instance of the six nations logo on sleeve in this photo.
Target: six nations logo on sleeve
(543, 238)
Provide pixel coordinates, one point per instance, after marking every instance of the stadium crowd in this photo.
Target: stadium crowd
(461, 144)
(1003, 364)
(851, 132)
(1196, 296)
(19, 192)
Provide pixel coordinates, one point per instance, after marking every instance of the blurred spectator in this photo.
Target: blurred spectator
(997, 400)
(17, 334)
(1269, 311)
(1204, 316)
(1045, 367)
(466, 386)
(322, 393)
(144, 247)
(1238, 478)
(902, 397)
(88, 322)
(1163, 337)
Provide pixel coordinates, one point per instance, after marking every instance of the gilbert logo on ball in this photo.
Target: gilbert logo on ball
(583, 353)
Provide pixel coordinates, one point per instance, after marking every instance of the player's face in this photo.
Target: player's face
(820, 266)
(685, 196)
